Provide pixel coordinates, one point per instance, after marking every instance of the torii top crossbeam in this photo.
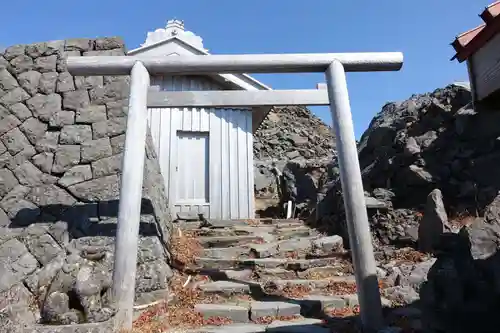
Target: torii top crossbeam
(249, 63)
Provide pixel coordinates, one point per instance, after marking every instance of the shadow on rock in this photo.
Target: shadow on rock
(85, 219)
(59, 259)
(462, 290)
(432, 140)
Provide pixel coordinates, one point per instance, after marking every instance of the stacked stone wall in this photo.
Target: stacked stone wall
(61, 144)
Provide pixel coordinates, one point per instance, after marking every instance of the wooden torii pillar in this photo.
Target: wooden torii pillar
(334, 65)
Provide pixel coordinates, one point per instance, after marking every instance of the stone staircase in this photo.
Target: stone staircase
(272, 275)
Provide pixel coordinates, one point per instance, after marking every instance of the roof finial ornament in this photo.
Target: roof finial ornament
(174, 27)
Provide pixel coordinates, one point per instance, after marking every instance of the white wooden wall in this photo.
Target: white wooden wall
(229, 175)
(485, 65)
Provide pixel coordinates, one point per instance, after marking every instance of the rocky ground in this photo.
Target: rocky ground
(279, 276)
(292, 132)
(270, 275)
(289, 142)
(432, 140)
(429, 172)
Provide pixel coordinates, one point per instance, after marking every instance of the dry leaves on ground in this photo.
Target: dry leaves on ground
(269, 319)
(343, 312)
(179, 313)
(347, 288)
(340, 288)
(295, 291)
(253, 222)
(185, 247)
(409, 256)
(257, 241)
(289, 290)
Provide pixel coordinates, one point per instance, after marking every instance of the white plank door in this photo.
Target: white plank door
(192, 173)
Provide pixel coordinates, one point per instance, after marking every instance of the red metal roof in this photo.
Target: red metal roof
(470, 41)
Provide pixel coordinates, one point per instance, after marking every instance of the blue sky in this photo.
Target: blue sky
(421, 29)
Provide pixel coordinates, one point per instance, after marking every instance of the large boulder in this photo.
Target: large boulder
(462, 290)
(298, 180)
(434, 222)
(61, 144)
(432, 140)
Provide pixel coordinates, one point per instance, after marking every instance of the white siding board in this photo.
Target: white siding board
(230, 180)
(232, 139)
(155, 125)
(486, 68)
(242, 164)
(250, 169)
(164, 143)
(216, 175)
(225, 166)
(175, 120)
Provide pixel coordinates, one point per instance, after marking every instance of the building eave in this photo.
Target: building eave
(469, 42)
(195, 50)
(231, 81)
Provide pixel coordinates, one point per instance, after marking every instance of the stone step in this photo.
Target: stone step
(151, 297)
(278, 221)
(230, 328)
(214, 223)
(227, 252)
(312, 284)
(325, 272)
(352, 300)
(328, 244)
(313, 305)
(293, 232)
(262, 274)
(236, 313)
(290, 264)
(227, 241)
(276, 273)
(281, 233)
(305, 325)
(241, 274)
(260, 310)
(279, 249)
(303, 247)
(226, 288)
(184, 225)
(188, 217)
(285, 232)
(221, 224)
(266, 250)
(255, 311)
(316, 304)
(279, 285)
(288, 225)
(236, 231)
(222, 228)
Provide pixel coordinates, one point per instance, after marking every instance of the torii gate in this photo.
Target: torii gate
(334, 65)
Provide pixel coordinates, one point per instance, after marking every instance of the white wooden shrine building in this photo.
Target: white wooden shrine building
(206, 155)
